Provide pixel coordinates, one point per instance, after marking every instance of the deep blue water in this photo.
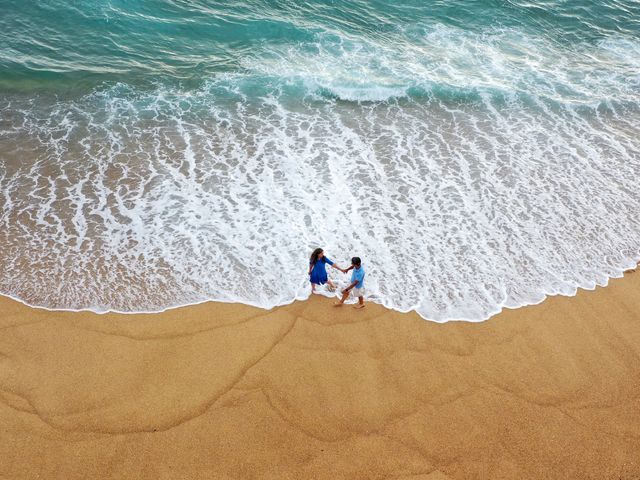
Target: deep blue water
(63, 46)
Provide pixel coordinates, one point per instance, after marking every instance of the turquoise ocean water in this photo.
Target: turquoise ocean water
(476, 154)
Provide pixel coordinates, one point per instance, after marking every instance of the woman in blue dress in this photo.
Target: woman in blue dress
(318, 269)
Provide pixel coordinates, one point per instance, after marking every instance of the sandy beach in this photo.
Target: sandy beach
(309, 391)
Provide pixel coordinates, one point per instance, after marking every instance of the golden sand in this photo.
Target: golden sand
(308, 391)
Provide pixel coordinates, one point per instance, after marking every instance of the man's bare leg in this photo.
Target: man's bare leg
(360, 303)
(345, 295)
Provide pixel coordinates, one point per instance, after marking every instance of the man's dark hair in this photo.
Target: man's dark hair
(356, 261)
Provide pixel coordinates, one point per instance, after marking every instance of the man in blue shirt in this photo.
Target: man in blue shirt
(357, 284)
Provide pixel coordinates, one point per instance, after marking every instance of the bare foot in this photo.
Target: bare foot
(358, 306)
(331, 288)
(337, 304)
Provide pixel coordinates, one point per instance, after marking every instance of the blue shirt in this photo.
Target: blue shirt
(357, 275)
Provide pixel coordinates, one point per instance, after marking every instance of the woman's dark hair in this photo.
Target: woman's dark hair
(314, 256)
(356, 261)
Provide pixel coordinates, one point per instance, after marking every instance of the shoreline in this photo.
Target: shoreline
(501, 309)
(309, 391)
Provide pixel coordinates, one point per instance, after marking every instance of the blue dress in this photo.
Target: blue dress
(319, 272)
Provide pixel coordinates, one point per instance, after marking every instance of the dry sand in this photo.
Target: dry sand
(307, 391)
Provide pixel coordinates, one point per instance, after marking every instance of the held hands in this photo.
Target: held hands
(343, 270)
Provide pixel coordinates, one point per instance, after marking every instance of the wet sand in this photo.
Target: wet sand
(308, 391)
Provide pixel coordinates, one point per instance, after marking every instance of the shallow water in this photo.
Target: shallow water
(476, 155)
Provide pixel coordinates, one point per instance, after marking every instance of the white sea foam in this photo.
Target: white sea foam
(438, 56)
(519, 181)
